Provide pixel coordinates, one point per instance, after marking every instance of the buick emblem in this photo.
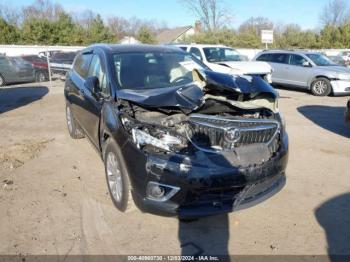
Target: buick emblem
(232, 135)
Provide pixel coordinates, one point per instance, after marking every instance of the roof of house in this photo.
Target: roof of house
(170, 35)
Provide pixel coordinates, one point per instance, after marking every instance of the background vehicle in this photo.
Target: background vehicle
(339, 60)
(178, 139)
(40, 67)
(307, 70)
(227, 60)
(61, 62)
(15, 70)
(345, 55)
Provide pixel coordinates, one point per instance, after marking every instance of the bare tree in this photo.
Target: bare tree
(10, 14)
(334, 13)
(255, 25)
(43, 9)
(212, 13)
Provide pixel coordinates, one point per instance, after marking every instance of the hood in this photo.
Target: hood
(242, 68)
(335, 69)
(191, 96)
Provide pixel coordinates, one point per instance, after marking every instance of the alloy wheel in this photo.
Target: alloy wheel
(114, 177)
(320, 87)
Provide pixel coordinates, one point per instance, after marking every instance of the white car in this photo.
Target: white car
(227, 60)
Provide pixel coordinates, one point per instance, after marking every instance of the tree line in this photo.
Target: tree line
(47, 23)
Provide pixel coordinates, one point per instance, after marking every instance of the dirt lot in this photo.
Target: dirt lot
(54, 200)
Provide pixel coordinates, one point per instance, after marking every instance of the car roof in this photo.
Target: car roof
(120, 48)
(304, 52)
(201, 45)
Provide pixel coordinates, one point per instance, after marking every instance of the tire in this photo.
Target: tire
(2, 81)
(321, 87)
(40, 76)
(74, 130)
(117, 178)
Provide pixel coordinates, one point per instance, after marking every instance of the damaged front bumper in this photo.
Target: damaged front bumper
(201, 184)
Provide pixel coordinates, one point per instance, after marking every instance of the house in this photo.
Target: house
(177, 34)
(129, 40)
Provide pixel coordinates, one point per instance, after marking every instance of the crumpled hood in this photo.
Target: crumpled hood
(242, 68)
(190, 97)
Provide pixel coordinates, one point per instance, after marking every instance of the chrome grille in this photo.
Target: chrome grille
(211, 133)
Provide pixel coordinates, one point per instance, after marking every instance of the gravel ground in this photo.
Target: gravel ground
(54, 200)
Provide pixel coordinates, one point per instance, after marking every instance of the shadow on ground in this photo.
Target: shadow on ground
(206, 236)
(328, 117)
(334, 216)
(15, 97)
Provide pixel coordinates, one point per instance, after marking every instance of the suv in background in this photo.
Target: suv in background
(223, 59)
(307, 70)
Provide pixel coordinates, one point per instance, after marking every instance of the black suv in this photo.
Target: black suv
(175, 137)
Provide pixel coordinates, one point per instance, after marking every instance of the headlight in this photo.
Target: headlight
(283, 121)
(165, 141)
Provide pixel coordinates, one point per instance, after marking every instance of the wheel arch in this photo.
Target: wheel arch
(319, 76)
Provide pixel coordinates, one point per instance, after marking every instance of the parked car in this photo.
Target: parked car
(15, 70)
(338, 60)
(61, 62)
(347, 113)
(40, 67)
(174, 137)
(345, 55)
(227, 60)
(307, 70)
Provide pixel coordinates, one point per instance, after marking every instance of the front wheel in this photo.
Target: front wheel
(117, 178)
(40, 76)
(321, 87)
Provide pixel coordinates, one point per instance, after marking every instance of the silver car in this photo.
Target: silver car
(307, 70)
(15, 70)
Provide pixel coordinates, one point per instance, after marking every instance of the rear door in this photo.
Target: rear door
(279, 64)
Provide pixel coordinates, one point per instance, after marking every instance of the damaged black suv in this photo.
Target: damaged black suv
(175, 137)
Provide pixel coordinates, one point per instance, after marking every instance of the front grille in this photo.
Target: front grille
(217, 133)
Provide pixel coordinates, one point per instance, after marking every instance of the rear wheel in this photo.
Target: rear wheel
(321, 87)
(40, 76)
(74, 130)
(2, 81)
(117, 178)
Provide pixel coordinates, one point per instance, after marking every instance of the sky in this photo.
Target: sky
(303, 12)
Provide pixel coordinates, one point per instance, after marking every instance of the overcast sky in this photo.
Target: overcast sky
(303, 12)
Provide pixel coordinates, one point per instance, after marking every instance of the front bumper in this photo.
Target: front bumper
(340, 87)
(208, 183)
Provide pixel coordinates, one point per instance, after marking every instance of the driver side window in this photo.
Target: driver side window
(297, 60)
(96, 70)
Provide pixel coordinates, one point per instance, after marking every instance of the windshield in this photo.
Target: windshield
(320, 60)
(222, 54)
(154, 69)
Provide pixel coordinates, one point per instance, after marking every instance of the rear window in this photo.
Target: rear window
(264, 57)
(279, 58)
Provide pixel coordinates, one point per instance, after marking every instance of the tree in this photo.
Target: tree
(9, 33)
(145, 35)
(43, 9)
(334, 13)
(212, 13)
(97, 32)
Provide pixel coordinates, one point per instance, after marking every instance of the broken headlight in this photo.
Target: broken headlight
(145, 135)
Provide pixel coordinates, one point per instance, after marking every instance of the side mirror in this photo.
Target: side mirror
(307, 64)
(92, 84)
